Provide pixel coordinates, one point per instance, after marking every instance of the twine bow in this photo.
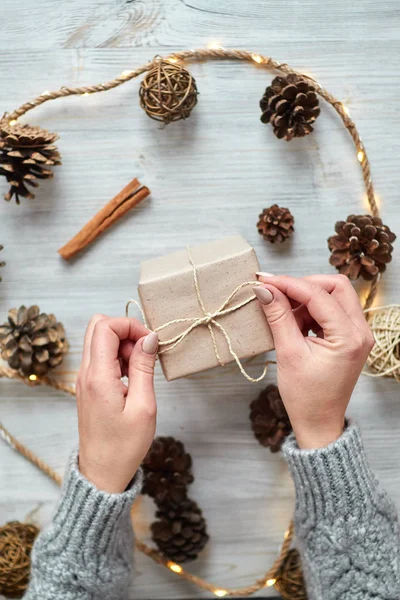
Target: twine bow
(208, 319)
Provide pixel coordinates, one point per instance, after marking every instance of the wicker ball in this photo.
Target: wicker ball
(384, 358)
(290, 581)
(168, 92)
(16, 541)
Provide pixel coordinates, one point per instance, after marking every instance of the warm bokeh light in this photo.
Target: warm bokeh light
(257, 58)
(32, 377)
(175, 568)
(220, 593)
(214, 46)
(360, 155)
(270, 582)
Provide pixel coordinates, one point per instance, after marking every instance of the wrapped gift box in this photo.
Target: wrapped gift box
(167, 292)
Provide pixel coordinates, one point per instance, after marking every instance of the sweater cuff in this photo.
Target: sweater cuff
(88, 519)
(332, 481)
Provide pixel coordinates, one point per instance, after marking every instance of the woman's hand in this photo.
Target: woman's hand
(316, 375)
(116, 422)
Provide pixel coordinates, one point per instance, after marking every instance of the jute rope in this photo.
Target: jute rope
(208, 319)
(271, 575)
(223, 53)
(43, 379)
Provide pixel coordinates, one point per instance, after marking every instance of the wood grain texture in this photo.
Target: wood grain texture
(210, 176)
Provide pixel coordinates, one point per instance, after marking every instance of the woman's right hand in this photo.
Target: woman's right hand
(116, 422)
(316, 375)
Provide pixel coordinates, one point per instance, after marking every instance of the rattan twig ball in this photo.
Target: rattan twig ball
(168, 92)
(384, 358)
(16, 541)
(290, 581)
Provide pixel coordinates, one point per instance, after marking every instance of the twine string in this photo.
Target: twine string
(208, 319)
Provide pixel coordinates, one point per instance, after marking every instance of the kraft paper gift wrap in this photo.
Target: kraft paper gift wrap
(167, 292)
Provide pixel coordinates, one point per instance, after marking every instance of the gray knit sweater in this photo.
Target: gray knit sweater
(346, 527)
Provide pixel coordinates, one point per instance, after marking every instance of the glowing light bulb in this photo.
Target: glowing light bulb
(257, 58)
(172, 59)
(346, 110)
(360, 156)
(270, 582)
(175, 568)
(32, 377)
(86, 94)
(214, 46)
(220, 593)
(12, 122)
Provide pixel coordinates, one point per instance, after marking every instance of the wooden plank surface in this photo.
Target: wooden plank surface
(210, 176)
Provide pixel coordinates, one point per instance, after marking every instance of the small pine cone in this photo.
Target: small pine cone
(269, 419)
(167, 470)
(32, 342)
(361, 247)
(26, 152)
(291, 105)
(181, 531)
(2, 263)
(275, 224)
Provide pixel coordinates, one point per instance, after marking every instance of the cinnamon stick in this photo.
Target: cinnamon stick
(130, 196)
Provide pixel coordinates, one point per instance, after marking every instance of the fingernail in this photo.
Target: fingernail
(264, 295)
(263, 274)
(150, 343)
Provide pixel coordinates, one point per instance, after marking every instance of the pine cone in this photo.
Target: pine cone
(290, 104)
(275, 224)
(167, 470)
(181, 532)
(2, 263)
(361, 247)
(32, 342)
(25, 153)
(269, 419)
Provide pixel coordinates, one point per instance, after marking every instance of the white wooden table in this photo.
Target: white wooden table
(210, 176)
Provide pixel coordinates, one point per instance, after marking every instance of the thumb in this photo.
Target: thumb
(141, 366)
(280, 317)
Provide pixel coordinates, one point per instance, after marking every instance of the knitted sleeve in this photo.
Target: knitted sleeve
(87, 553)
(346, 526)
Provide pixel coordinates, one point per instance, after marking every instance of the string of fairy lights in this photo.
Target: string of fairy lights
(213, 50)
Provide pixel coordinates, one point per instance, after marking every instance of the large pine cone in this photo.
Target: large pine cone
(290, 104)
(361, 247)
(2, 263)
(32, 342)
(167, 470)
(26, 152)
(275, 224)
(269, 419)
(181, 531)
